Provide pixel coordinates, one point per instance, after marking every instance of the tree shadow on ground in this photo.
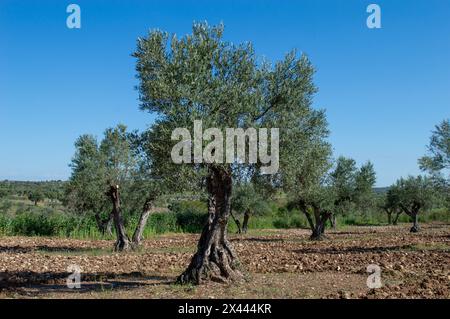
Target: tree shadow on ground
(346, 233)
(51, 249)
(350, 250)
(255, 239)
(33, 283)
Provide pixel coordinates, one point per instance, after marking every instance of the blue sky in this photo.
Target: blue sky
(383, 89)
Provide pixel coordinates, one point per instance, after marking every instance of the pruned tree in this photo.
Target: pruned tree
(106, 173)
(414, 195)
(202, 77)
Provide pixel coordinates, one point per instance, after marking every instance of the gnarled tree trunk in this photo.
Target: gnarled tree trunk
(137, 236)
(320, 218)
(215, 259)
(389, 215)
(245, 222)
(122, 243)
(398, 213)
(415, 228)
(333, 221)
(237, 222)
(318, 224)
(413, 212)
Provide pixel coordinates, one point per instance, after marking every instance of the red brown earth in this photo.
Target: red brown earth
(278, 264)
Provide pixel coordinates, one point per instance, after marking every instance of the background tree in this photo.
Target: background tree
(414, 195)
(304, 178)
(390, 203)
(202, 77)
(108, 174)
(247, 201)
(330, 192)
(85, 191)
(4, 191)
(343, 186)
(36, 196)
(437, 161)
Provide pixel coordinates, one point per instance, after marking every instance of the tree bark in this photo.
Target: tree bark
(333, 221)
(237, 222)
(304, 209)
(109, 224)
(137, 236)
(396, 217)
(415, 228)
(122, 243)
(389, 214)
(215, 259)
(245, 222)
(320, 219)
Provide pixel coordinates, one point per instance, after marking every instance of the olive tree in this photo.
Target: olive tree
(202, 77)
(85, 191)
(413, 195)
(331, 191)
(36, 196)
(437, 161)
(390, 203)
(109, 173)
(247, 201)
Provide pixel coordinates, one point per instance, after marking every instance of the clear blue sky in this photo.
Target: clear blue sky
(384, 90)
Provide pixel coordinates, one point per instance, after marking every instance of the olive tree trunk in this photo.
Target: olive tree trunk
(320, 219)
(333, 221)
(245, 222)
(138, 233)
(122, 243)
(389, 215)
(415, 218)
(215, 259)
(398, 213)
(237, 222)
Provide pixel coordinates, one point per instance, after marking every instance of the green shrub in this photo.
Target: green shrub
(162, 223)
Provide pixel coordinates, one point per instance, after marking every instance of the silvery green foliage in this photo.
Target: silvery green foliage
(114, 160)
(438, 158)
(413, 194)
(202, 77)
(246, 197)
(437, 161)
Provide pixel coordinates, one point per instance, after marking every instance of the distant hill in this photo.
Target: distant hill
(380, 190)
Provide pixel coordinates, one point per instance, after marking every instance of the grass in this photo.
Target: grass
(21, 217)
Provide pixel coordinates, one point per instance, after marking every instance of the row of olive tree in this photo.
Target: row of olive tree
(202, 77)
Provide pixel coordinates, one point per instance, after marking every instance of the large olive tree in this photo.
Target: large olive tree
(202, 77)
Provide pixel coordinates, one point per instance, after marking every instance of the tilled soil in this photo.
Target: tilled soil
(277, 263)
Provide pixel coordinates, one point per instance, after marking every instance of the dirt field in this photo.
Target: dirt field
(278, 264)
